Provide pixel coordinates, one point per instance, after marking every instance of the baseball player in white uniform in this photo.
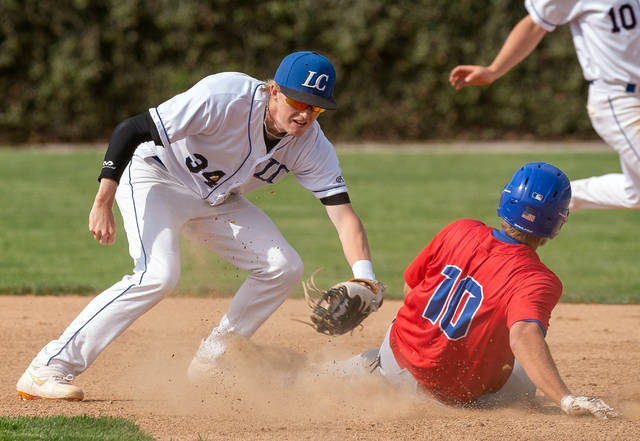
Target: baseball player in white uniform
(606, 35)
(183, 167)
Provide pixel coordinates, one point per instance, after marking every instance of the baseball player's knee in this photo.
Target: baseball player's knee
(167, 284)
(285, 265)
(291, 271)
(161, 287)
(633, 199)
(295, 270)
(163, 282)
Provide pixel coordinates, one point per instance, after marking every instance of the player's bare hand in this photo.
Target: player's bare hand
(574, 405)
(101, 221)
(102, 224)
(462, 76)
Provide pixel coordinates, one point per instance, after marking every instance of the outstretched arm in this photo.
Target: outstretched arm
(353, 238)
(345, 305)
(522, 40)
(531, 351)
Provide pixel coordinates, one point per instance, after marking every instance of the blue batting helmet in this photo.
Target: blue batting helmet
(536, 200)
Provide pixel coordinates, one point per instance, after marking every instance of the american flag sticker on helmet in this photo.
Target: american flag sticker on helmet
(529, 214)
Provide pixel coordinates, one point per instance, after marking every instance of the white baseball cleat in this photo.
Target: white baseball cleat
(204, 367)
(47, 383)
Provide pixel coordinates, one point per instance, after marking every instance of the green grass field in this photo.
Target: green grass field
(403, 196)
(79, 428)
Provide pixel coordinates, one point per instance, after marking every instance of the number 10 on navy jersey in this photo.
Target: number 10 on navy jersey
(454, 304)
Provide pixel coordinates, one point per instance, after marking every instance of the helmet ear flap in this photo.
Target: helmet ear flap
(536, 200)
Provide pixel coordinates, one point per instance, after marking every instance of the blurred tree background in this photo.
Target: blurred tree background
(70, 70)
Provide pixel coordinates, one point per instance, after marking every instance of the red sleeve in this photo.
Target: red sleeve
(535, 300)
(416, 270)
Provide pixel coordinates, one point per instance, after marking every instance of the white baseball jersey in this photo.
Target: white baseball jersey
(214, 142)
(213, 151)
(606, 34)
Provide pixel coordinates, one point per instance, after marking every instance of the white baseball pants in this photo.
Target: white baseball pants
(615, 116)
(156, 209)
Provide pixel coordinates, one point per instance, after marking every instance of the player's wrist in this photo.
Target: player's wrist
(492, 73)
(106, 194)
(363, 269)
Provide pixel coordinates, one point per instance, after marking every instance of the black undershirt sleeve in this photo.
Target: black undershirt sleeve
(126, 137)
(336, 199)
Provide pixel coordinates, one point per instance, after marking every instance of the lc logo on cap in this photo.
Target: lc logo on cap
(320, 79)
(307, 77)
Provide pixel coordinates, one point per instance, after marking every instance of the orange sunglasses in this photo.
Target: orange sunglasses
(301, 106)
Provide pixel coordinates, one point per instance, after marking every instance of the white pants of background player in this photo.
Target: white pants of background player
(517, 388)
(615, 116)
(156, 209)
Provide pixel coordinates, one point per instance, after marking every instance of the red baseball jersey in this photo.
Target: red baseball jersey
(468, 288)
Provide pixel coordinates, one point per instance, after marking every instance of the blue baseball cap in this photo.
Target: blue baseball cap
(307, 77)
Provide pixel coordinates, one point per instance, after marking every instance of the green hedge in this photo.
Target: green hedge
(70, 70)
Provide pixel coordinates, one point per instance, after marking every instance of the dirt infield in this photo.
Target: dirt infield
(141, 376)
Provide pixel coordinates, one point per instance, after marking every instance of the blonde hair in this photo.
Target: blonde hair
(267, 85)
(525, 238)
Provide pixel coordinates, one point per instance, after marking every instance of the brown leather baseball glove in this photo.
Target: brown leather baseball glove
(344, 306)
